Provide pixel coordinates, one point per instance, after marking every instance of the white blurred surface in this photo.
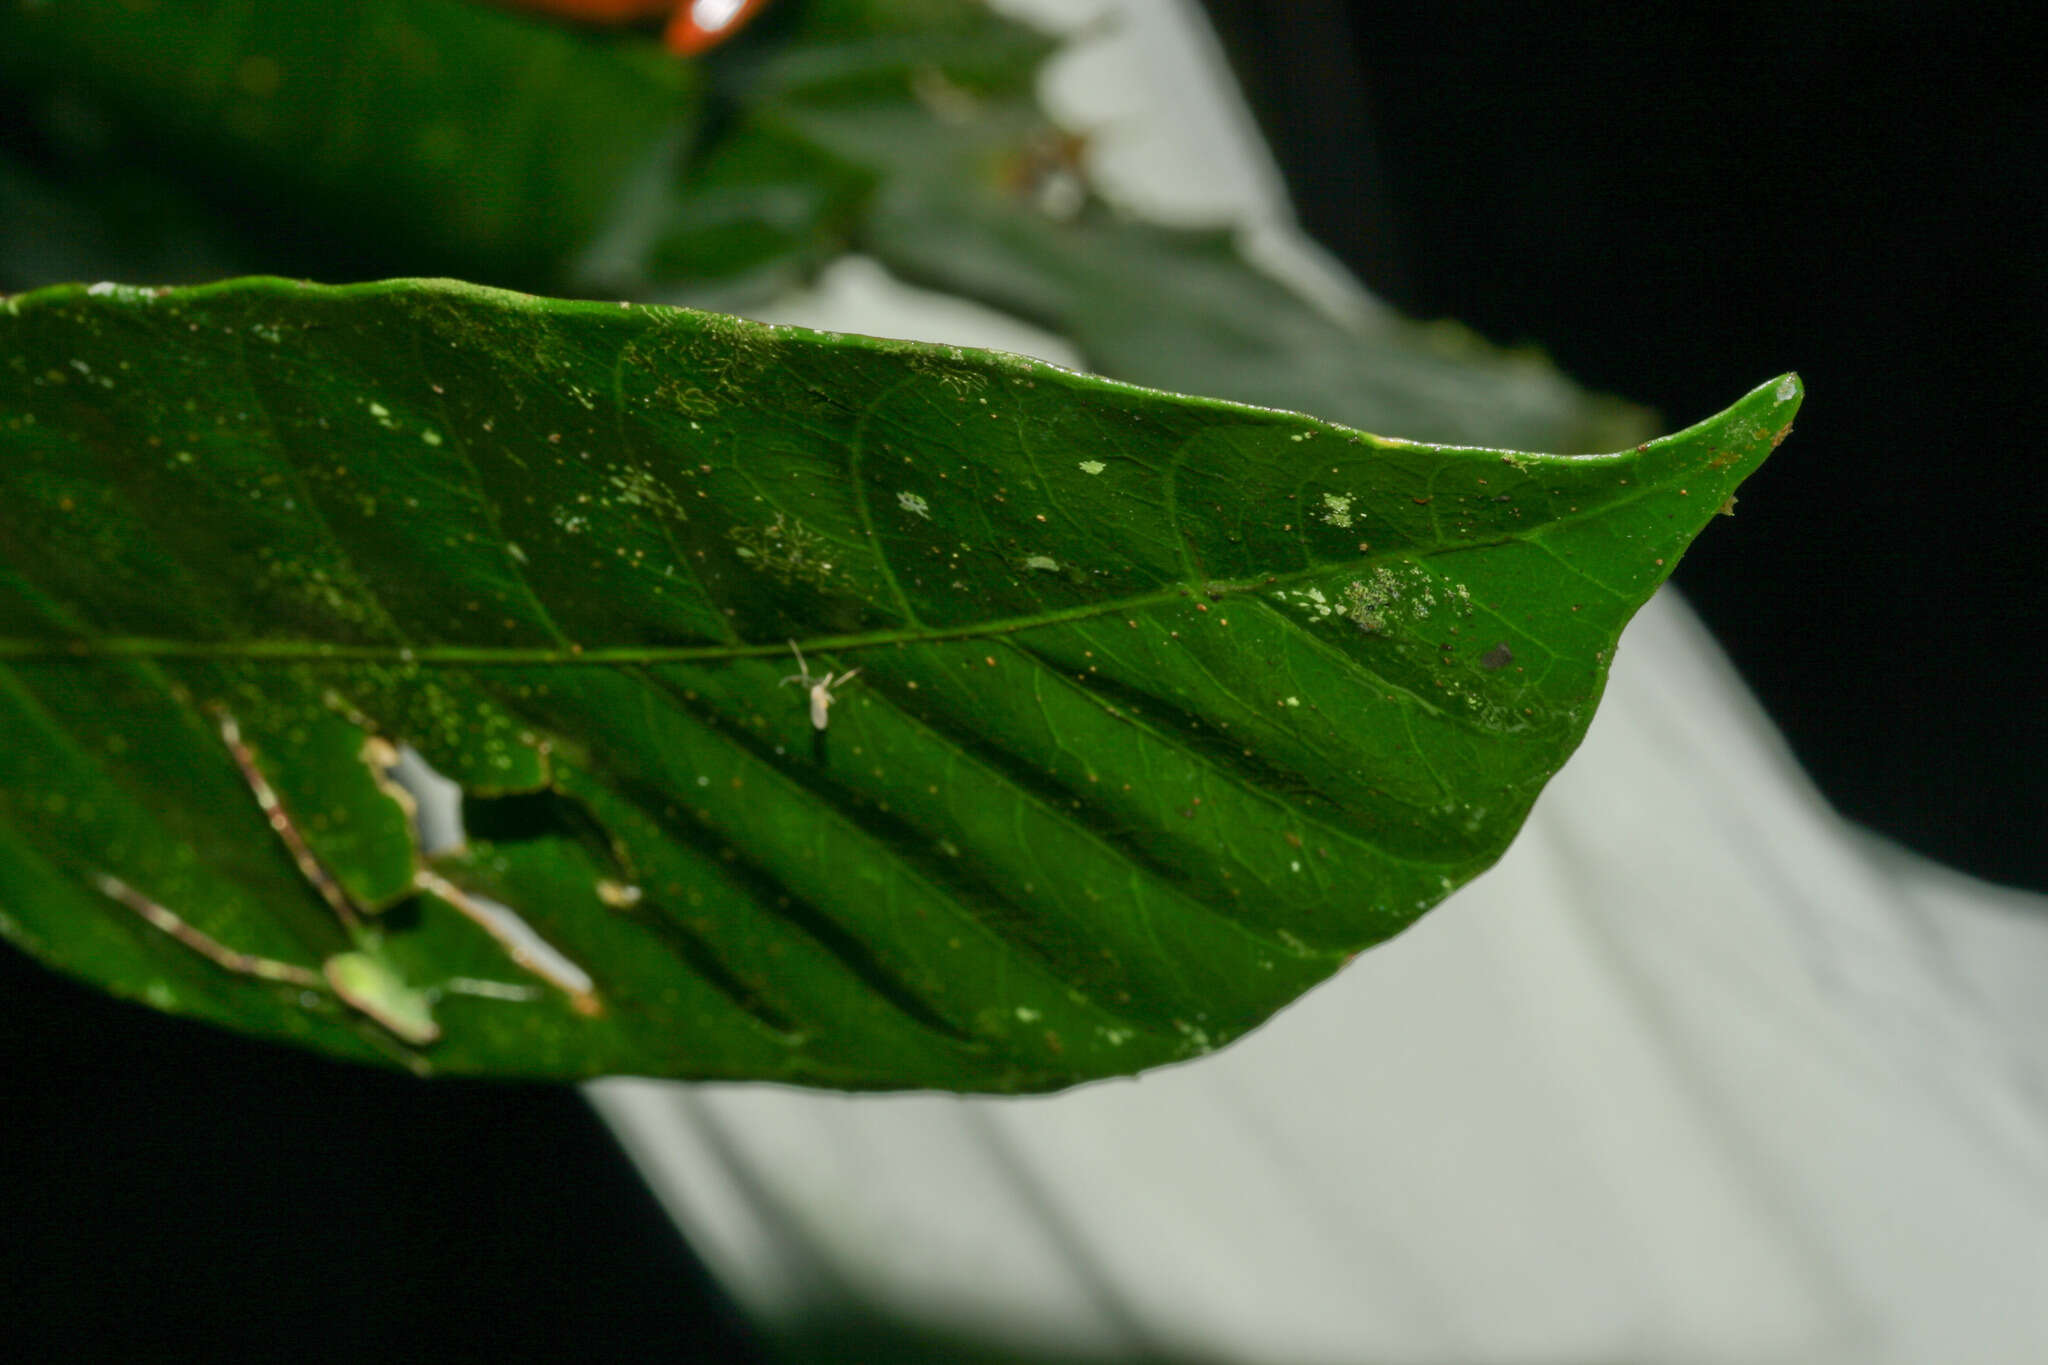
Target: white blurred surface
(1698, 1073)
(1695, 1074)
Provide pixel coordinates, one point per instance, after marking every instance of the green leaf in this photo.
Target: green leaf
(443, 134)
(1164, 708)
(358, 138)
(978, 194)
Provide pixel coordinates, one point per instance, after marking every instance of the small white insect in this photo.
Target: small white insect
(821, 688)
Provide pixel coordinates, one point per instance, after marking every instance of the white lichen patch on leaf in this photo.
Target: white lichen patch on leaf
(963, 382)
(1337, 509)
(914, 504)
(1092, 466)
(1375, 604)
(637, 487)
(1387, 597)
(1312, 602)
(332, 589)
(785, 549)
(1367, 604)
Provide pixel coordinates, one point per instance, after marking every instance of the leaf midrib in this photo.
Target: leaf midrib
(613, 656)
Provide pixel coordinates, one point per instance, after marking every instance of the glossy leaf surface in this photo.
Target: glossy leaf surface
(1165, 706)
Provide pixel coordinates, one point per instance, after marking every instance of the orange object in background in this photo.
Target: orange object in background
(694, 26)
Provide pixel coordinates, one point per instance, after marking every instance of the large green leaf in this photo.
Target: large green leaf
(1165, 706)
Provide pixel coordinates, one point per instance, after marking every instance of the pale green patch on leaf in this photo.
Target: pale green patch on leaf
(368, 983)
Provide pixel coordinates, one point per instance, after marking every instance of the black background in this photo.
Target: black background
(1676, 202)
(172, 1192)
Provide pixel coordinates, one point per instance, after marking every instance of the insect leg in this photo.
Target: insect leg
(803, 670)
(281, 821)
(246, 964)
(521, 943)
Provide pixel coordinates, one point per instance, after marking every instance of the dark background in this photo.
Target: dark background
(1676, 202)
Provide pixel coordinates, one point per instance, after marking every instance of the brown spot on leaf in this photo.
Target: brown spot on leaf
(1497, 658)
